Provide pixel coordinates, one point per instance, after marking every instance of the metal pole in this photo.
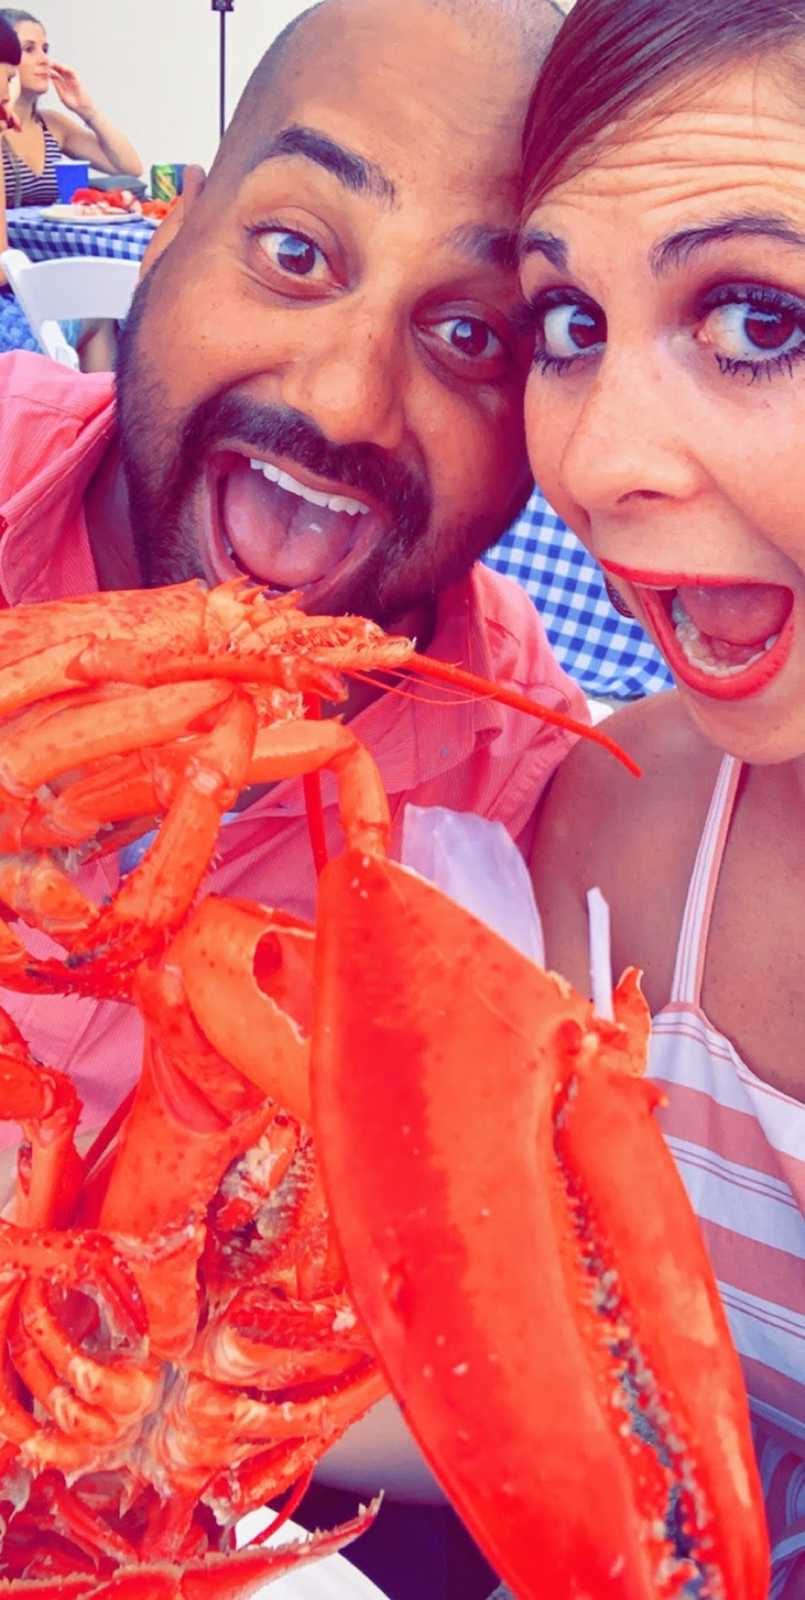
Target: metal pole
(222, 7)
(222, 56)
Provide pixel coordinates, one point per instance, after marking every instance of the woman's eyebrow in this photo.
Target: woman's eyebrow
(536, 241)
(677, 248)
(486, 244)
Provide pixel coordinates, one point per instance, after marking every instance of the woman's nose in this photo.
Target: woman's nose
(627, 442)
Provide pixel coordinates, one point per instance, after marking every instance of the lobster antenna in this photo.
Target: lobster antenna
(457, 698)
(446, 672)
(311, 786)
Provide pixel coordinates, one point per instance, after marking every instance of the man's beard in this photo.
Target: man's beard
(165, 531)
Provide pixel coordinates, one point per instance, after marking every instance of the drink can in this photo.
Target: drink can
(166, 180)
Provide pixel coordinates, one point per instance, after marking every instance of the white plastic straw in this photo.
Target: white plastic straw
(600, 953)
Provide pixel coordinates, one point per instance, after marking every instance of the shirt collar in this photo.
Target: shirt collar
(57, 563)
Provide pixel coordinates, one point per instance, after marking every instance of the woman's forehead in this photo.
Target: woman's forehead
(738, 136)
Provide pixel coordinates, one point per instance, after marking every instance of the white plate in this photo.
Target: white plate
(76, 214)
(332, 1578)
(379, 1449)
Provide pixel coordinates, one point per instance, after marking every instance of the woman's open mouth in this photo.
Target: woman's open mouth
(283, 532)
(725, 639)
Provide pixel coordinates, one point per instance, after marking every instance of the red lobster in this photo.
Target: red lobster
(177, 1338)
(524, 1256)
(176, 1342)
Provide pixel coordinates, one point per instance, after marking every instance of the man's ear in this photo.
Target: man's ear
(192, 188)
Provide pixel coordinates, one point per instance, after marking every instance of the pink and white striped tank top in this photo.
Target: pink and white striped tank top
(739, 1145)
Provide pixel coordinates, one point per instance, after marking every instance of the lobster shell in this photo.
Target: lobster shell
(524, 1255)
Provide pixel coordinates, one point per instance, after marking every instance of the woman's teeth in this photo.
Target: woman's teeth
(696, 647)
(333, 502)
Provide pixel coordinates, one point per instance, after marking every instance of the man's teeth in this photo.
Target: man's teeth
(333, 502)
(694, 646)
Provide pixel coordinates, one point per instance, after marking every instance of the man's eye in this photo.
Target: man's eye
(470, 337)
(293, 253)
(571, 330)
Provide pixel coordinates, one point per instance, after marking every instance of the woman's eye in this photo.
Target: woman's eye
(470, 337)
(754, 332)
(570, 330)
(293, 253)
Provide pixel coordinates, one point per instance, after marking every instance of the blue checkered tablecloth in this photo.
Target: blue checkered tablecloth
(609, 655)
(42, 238)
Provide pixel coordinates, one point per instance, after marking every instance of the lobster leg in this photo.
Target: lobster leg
(248, 976)
(40, 893)
(300, 747)
(230, 1576)
(192, 1115)
(116, 792)
(110, 724)
(247, 973)
(160, 891)
(524, 1256)
(46, 1104)
(38, 676)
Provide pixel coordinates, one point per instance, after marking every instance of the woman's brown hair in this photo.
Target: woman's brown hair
(13, 16)
(612, 54)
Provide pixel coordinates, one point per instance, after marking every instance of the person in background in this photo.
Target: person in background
(663, 260)
(15, 332)
(31, 152)
(608, 652)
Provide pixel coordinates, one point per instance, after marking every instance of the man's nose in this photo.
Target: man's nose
(349, 377)
(628, 442)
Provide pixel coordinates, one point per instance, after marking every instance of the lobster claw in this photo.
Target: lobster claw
(524, 1256)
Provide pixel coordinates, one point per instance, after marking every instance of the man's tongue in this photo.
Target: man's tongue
(278, 537)
(736, 618)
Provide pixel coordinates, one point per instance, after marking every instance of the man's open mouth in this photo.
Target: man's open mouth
(282, 529)
(726, 640)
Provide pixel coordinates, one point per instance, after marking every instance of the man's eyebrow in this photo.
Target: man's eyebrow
(355, 172)
(536, 241)
(491, 246)
(677, 248)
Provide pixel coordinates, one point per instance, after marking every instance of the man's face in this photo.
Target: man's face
(322, 382)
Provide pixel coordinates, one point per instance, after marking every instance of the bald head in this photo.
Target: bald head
(509, 30)
(534, 21)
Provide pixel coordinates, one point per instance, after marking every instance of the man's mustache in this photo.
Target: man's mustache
(276, 430)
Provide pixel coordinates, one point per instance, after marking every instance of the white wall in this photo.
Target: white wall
(152, 65)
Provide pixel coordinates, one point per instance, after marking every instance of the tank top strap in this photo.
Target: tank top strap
(689, 968)
(53, 150)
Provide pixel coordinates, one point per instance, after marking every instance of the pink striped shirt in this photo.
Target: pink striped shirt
(474, 756)
(740, 1147)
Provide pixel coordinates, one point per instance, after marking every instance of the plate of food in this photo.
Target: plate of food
(96, 212)
(332, 1578)
(107, 205)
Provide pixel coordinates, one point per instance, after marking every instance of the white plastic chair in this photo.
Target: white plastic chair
(66, 289)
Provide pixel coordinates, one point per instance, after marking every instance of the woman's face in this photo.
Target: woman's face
(34, 68)
(665, 409)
